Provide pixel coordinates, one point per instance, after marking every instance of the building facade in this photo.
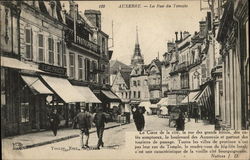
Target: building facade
(233, 37)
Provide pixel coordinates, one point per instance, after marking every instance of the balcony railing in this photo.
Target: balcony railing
(69, 36)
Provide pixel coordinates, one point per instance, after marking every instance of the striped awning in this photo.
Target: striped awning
(204, 99)
(191, 97)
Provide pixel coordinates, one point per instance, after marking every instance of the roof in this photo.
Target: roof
(126, 77)
(116, 65)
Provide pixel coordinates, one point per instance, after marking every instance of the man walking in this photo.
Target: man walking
(54, 121)
(100, 120)
(139, 117)
(83, 119)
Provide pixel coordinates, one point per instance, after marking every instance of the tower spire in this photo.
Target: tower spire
(137, 39)
(137, 57)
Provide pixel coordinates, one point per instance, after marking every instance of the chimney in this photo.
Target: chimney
(170, 46)
(176, 36)
(185, 34)
(202, 28)
(181, 36)
(94, 16)
(209, 21)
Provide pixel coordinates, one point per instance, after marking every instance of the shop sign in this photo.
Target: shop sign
(52, 69)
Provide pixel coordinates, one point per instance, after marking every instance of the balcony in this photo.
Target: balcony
(69, 36)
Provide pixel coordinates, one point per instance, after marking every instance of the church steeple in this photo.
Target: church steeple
(137, 57)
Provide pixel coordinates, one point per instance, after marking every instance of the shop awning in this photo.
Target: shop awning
(88, 94)
(111, 96)
(63, 89)
(17, 64)
(36, 86)
(190, 98)
(203, 98)
(163, 101)
(145, 104)
(153, 106)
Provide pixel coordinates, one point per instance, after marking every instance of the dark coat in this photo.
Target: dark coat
(100, 119)
(180, 123)
(54, 119)
(84, 120)
(139, 119)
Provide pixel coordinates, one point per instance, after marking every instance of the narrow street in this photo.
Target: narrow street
(116, 141)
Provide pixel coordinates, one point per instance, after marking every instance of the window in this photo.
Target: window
(51, 50)
(40, 48)
(25, 106)
(139, 94)
(134, 94)
(87, 70)
(80, 67)
(134, 83)
(126, 95)
(71, 65)
(138, 82)
(103, 45)
(3, 95)
(58, 53)
(64, 60)
(94, 67)
(28, 43)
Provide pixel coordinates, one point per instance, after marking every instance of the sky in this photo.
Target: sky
(156, 26)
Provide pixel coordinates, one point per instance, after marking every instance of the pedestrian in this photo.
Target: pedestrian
(139, 117)
(180, 122)
(100, 120)
(83, 119)
(54, 121)
(196, 115)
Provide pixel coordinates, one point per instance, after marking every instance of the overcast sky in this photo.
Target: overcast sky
(156, 25)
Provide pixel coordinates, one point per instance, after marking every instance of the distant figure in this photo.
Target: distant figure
(196, 115)
(180, 122)
(84, 121)
(139, 117)
(54, 121)
(100, 120)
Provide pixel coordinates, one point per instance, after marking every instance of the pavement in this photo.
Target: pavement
(31, 140)
(201, 125)
(152, 122)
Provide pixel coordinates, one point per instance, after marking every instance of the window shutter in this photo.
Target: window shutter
(31, 44)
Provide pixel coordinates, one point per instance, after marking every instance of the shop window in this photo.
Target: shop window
(59, 52)
(25, 106)
(80, 67)
(51, 50)
(28, 43)
(71, 65)
(40, 48)
(3, 95)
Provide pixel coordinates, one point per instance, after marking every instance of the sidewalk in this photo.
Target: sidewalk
(47, 137)
(201, 125)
